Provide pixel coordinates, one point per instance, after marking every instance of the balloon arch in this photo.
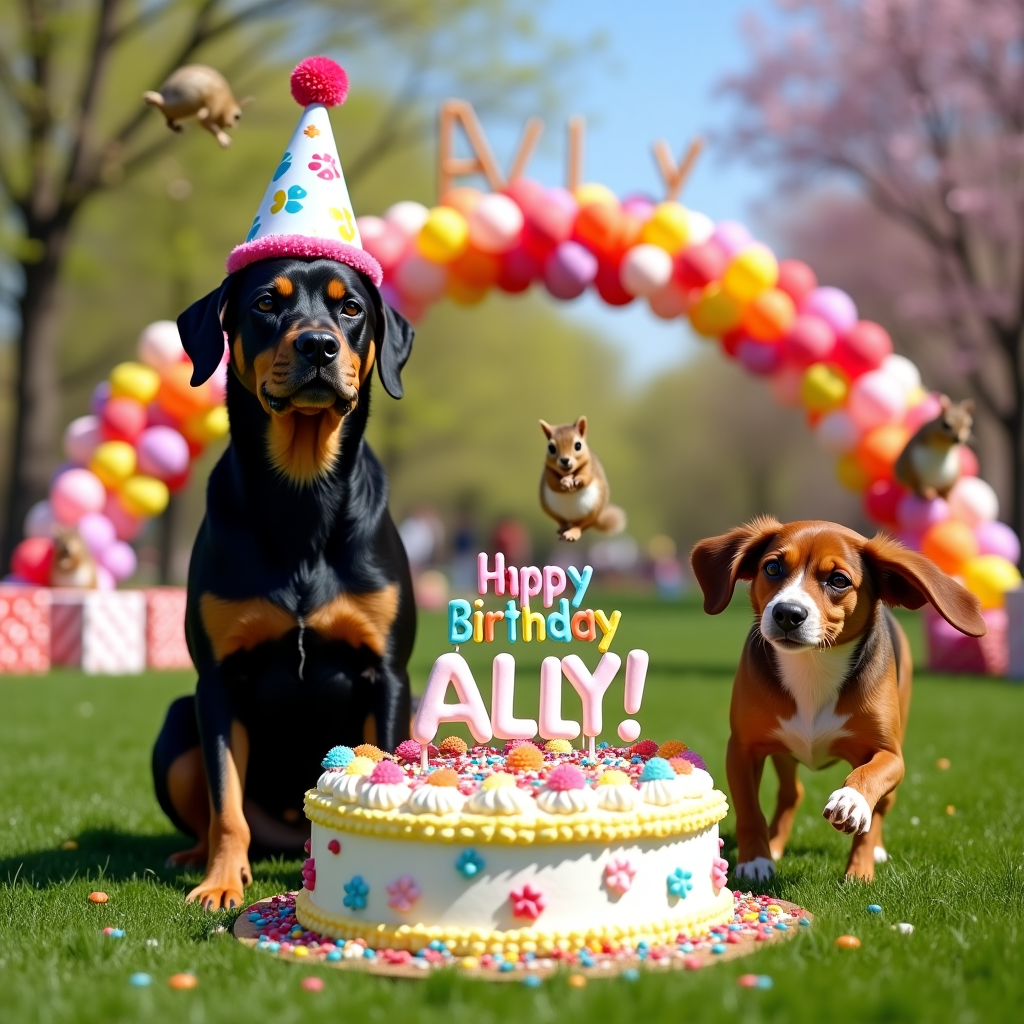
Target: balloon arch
(862, 401)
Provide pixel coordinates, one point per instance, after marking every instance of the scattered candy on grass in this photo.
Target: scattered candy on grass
(904, 928)
(943, 764)
(950, 810)
(577, 980)
(182, 981)
(140, 980)
(152, 942)
(69, 844)
(98, 897)
(848, 942)
(533, 981)
(755, 981)
(313, 984)
(114, 933)
(874, 908)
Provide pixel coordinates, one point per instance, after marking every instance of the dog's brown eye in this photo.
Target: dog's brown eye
(773, 568)
(839, 581)
(351, 308)
(265, 304)
(551, 449)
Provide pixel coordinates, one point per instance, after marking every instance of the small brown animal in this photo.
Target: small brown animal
(202, 92)
(573, 488)
(73, 564)
(929, 466)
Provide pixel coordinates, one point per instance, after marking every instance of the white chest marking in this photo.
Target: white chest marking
(573, 506)
(935, 467)
(813, 679)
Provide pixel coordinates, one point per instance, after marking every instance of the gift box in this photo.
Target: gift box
(24, 629)
(1015, 633)
(101, 632)
(950, 651)
(165, 628)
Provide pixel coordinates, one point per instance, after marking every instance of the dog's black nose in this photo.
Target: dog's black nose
(320, 347)
(789, 615)
(563, 461)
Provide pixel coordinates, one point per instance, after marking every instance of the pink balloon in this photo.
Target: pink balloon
(40, 520)
(419, 279)
(876, 399)
(638, 206)
(158, 416)
(910, 539)
(128, 527)
(810, 340)
(105, 579)
(159, 344)
(162, 452)
(837, 433)
(81, 438)
(100, 394)
(968, 461)
(925, 411)
(569, 269)
(384, 241)
(833, 305)
(915, 515)
(863, 347)
(75, 493)
(495, 224)
(219, 385)
(995, 538)
(119, 560)
(761, 358)
(669, 302)
(731, 236)
(549, 220)
(785, 384)
(973, 501)
(97, 531)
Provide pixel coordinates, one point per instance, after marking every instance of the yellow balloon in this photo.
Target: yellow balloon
(134, 380)
(989, 577)
(752, 271)
(143, 496)
(823, 388)
(851, 474)
(668, 228)
(444, 235)
(594, 193)
(715, 312)
(209, 425)
(113, 462)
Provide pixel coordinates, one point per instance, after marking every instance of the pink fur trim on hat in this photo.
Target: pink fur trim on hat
(304, 247)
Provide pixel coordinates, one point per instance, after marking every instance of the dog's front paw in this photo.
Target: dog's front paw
(881, 855)
(223, 886)
(848, 811)
(760, 869)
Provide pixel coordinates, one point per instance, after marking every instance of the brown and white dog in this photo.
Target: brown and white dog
(825, 673)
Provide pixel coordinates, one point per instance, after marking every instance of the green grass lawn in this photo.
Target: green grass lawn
(74, 764)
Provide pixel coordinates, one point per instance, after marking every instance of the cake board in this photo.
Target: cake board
(774, 921)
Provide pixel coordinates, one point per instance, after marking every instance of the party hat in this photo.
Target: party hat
(306, 211)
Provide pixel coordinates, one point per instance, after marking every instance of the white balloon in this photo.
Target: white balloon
(973, 501)
(40, 520)
(159, 344)
(495, 223)
(903, 370)
(645, 269)
(701, 227)
(837, 433)
(370, 227)
(408, 215)
(81, 436)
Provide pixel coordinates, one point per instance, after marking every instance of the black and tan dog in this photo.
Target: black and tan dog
(300, 615)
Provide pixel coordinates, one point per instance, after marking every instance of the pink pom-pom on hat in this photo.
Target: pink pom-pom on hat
(319, 80)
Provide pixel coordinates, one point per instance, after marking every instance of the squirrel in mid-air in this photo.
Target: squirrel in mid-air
(573, 488)
(929, 465)
(73, 565)
(202, 92)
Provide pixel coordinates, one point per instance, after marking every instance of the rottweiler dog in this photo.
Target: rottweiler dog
(300, 616)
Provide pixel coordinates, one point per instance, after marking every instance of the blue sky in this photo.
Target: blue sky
(655, 78)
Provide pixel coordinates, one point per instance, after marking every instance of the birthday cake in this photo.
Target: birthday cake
(522, 846)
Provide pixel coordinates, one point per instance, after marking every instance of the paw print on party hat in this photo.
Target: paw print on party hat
(347, 227)
(288, 202)
(679, 883)
(325, 166)
(283, 167)
(254, 230)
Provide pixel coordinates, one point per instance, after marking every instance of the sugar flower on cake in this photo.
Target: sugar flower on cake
(525, 757)
(618, 875)
(356, 893)
(499, 794)
(453, 746)
(644, 748)
(338, 757)
(719, 870)
(527, 902)
(658, 784)
(558, 747)
(469, 864)
(346, 785)
(615, 792)
(403, 893)
(565, 791)
(309, 874)
(438, 795)
(692, 782)
(410, 752)
(386, 789)
(679, 883)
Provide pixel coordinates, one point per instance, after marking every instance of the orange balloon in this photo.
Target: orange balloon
(851, 473)
(949, 545)
(599, 227)
(878, 450)
(463, 198)
(475, 269)
(462, 292)
(176, 396)
(770, 316)
(715, 312)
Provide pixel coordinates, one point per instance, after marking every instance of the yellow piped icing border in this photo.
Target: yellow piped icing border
(656, 823)
(477, 941)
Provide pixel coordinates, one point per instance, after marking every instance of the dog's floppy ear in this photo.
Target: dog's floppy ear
(201, 328)
(394, 343)
(908, 579)
(719, 562)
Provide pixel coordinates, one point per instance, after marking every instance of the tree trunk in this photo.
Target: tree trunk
(33, 440)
